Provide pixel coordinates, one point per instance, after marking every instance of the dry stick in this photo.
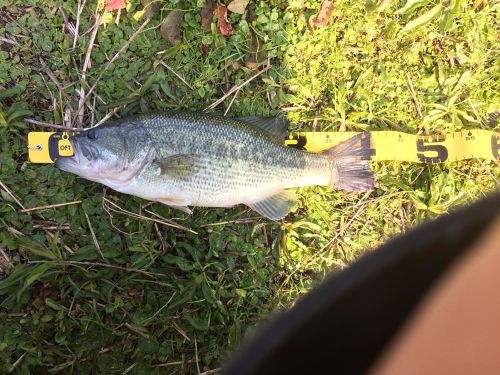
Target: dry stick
(235, 88)
(16, 363)
(245, 220)
(53, 77)
(40, 208)
(93, 235)
(77, 25)
(105, 118)
(7, 40)
(177, 75)
(106, 67)
(6, 257)
(175, 363)
(49, 125)
(11, 195)
(196, 355)
(213, 371)
(231, 103)
(181, 331)
(97, 264)
(413, 95)
(128, 369)
(135, 330)
(79, 114)
(137, 216)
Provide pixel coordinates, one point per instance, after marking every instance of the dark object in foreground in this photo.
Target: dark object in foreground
(344, 326)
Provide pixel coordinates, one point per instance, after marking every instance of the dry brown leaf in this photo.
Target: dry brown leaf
(238, 6)
(206, 15)
(151, 7)
(224, 25)
(324, 15)
(255, 53)
(170, 28)
(110, 5)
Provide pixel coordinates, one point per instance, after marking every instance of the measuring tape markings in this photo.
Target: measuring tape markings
(46, 147)
(393, 145)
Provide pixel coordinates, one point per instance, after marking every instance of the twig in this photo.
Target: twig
(106, 67)
(11, 195)
(83, 97)
(17, 362)
(96, 243)
(235, 88)
(136, 330)
(107, 117)
(237, 221)
(54, 126)
(414, 95)
(162, 240)
(231, 102)
(196, 355)
(137, 216)
(181, 331)
(52, 227)
(213, 371)
(68, 25)
(7, 40)
(79, 10)
(97, 264)
(6, 257)
(130, 368)
(52, 77)
(40, 208)
(177, 75)
(175, 363)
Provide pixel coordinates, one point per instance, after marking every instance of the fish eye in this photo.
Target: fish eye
(92, 134)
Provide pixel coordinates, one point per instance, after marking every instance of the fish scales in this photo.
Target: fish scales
(187, 158)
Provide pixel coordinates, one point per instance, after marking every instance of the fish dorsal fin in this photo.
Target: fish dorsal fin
(178, 166)
(277, 206)
(277, 126)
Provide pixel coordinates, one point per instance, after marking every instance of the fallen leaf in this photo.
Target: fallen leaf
(255, 53)
(203, 50)
(324, 15)
(170, 28)
(206, 15)
(151, 7)
(238, 6)
(224, 25)
(110, 5)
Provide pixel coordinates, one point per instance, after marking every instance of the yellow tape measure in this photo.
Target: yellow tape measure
(46, 147)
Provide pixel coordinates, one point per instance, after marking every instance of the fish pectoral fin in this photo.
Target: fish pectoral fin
(277, 126)
(183, 209)
(178, 204)
(179, 165)
(277, 206)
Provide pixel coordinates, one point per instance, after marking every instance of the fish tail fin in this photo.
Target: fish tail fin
(351, 164)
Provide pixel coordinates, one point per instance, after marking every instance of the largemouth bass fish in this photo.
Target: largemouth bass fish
(192, 159)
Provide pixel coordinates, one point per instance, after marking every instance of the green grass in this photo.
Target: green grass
(161, 296)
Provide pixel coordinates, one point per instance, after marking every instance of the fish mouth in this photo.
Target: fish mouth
(69, 163)
(79, 162)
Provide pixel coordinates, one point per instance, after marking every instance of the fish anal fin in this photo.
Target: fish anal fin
(277, 206)
(277, 126)
(179, 204)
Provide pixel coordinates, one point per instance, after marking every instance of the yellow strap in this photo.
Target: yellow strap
(45, 147)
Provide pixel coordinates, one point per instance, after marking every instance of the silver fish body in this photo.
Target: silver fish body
(191, 159)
